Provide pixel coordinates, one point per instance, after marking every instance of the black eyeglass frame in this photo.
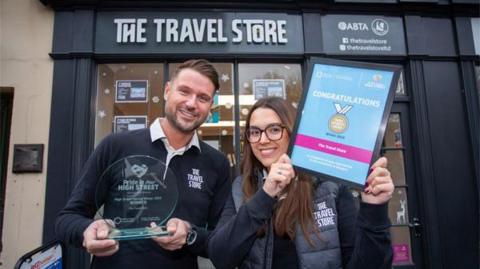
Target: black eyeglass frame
(247, 136)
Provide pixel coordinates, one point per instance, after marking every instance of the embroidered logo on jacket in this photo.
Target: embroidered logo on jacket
(323, 215)
(195, 180)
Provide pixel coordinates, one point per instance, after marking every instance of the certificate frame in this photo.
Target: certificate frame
(332, 149)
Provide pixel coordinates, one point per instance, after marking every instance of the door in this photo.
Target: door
(403, 207)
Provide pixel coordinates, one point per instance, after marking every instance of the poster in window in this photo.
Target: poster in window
(401, 255)
(269, 87)
(129, 123)
(131, 91)
(342, 119)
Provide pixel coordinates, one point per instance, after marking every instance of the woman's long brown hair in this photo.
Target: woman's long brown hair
(297, 206)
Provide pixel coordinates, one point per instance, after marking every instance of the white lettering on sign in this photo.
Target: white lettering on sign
(352, 26)
(169, 30)
(260, 31)
(237, 32)
(159, 23)
(199, 28)
(131, 30)
(187, 31)
(353, 100)
(270, 31)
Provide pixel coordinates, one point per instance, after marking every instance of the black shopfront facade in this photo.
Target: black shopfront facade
(112, 59)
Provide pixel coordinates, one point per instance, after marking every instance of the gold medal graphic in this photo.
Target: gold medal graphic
(338, 123)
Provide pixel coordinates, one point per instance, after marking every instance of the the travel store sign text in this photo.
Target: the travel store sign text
(169, 30)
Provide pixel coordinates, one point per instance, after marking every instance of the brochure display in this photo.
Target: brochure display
(342, 118)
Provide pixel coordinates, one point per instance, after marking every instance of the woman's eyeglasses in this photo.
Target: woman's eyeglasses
(273, 132)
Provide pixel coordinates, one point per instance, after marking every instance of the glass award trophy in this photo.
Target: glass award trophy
(132, 194)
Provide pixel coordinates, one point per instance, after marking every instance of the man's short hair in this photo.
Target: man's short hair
(203, 67)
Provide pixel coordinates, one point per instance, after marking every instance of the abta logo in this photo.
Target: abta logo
(379, 27)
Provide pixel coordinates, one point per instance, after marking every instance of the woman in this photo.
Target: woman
(277, 219)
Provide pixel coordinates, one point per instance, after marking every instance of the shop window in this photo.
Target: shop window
(261, 80)
(129, 97)
(393, 149)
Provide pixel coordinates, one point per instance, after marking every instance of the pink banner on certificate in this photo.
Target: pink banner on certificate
(337, 149)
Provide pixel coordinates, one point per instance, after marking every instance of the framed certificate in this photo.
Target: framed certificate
(342, 118)
(131, 91)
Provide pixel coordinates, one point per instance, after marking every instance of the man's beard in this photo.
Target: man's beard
(177, 125)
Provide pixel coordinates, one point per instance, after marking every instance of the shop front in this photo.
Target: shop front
(111, 65)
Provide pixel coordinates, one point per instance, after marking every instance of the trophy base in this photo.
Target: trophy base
(137, 233)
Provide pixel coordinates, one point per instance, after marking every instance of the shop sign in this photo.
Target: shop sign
(200, 30)
(153, 32)
(363, 35)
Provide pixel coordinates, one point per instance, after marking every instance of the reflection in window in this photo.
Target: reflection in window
(393, 149)
(477, 78)
(398, 206)
(393, 134)
(401, 86)
(129, 97)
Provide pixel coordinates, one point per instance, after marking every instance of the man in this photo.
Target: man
(173, 139)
